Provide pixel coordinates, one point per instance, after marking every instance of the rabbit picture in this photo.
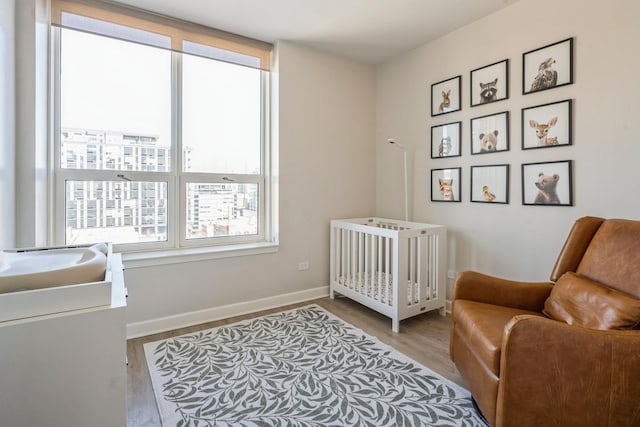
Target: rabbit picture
(446, 101)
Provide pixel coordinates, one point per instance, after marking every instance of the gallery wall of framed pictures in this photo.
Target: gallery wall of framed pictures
(543, 125)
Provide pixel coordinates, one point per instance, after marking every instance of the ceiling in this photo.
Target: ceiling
(370, 31)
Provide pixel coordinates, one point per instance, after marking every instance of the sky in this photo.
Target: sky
(109, 84)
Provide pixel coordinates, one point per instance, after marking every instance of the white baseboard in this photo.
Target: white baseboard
(162, 324)
(447, 306)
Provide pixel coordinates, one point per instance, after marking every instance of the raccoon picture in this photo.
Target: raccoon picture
(489, 91)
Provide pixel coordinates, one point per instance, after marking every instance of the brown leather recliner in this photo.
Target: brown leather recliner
(571, 357)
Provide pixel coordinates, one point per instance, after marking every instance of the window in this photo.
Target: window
(160, 130)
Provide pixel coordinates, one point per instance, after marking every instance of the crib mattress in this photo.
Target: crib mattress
(376, 289)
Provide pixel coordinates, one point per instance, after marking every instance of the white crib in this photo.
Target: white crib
(396, 268)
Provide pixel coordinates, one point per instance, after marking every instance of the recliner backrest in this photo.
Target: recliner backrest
(575, 246)
(613, 256)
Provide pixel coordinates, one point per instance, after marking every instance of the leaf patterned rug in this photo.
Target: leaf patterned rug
(303, 367)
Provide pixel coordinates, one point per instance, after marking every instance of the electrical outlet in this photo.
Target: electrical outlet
(451, 274)
(303, 265)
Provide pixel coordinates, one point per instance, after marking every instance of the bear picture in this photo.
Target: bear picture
(490, 134)
(488, 141)
(490, 83)
(547, 194)
(547, 183)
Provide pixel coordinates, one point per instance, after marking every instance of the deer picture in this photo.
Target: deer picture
(542, 132)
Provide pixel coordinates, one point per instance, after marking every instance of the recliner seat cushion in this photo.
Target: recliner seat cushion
(482, 325)
(579, 301)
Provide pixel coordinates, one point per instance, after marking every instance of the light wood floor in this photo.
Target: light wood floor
(424, 338)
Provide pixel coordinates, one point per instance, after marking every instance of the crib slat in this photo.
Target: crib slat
(343, 268)
(365, 258)
(354, 259)
(361, 260)
(339, 260)
(412, 269)
(426, 268)
(422, 253)
(373, 239)
(349, 257)
(418, 261)
(343, 243)
(345, 254)
(380, 260)
(432, 271)
(435, 262)
(387, 270)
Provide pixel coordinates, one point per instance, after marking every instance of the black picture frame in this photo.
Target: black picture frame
(547, 183)
(445, 140)
(547, 125)
(446, 96)
(445, 185)
(490, 184)
(490, 83)
(489, 133)
(548, 67)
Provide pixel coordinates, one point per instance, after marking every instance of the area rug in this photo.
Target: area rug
(304, 367)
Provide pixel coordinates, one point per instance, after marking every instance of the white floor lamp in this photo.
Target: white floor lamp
(404, 168)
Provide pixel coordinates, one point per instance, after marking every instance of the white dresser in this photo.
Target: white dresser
(67, 369)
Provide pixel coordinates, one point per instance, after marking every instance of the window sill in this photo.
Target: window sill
(179, 256)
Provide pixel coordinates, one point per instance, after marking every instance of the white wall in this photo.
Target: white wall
(7, 124)
(326, 171)
(31, 118)
(513, 240)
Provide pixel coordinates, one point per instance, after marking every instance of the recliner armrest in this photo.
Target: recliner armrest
(474, 286)
(552, 373)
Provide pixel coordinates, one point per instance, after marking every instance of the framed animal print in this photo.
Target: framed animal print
(490, 184)
(445, 185)
(490, 83)
(547, 125)
(445, 140)
(490, 134)
(445, 96)
(548, 67)
(547, 183)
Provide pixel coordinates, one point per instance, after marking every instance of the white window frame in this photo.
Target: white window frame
(176, 244)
